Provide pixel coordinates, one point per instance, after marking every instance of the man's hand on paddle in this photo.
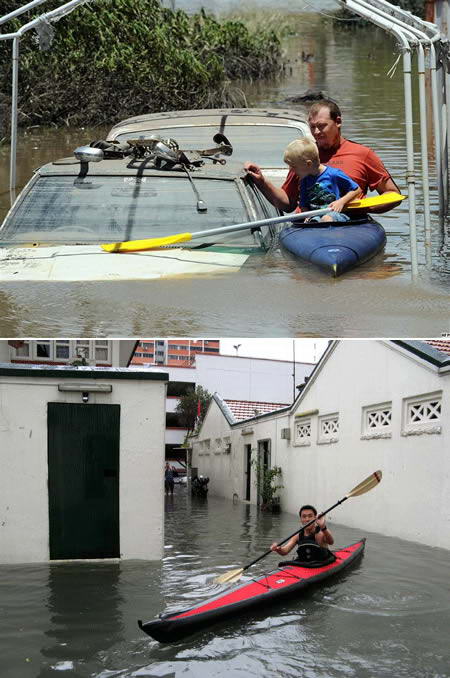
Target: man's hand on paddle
(321, 522)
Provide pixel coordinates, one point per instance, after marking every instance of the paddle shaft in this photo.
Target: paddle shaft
(262, 222)
(320, 515)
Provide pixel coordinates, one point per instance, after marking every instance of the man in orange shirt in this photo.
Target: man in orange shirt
(359, 162)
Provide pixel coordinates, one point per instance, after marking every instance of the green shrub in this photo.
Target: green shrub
(114, 58)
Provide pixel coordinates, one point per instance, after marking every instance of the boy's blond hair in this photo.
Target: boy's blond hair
(302, 149)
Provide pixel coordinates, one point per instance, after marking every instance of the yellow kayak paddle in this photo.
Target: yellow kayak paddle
(154, 243)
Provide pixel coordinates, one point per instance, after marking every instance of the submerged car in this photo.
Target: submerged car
(258, 135)
(138, 189)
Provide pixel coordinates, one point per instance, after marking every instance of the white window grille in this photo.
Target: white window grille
(377, 421)
(303, 432)
(205, 447)
(218, 446)
(328, 429)
(422, 414)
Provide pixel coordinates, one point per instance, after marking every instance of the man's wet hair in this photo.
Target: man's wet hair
(335, 111)
(308, 507)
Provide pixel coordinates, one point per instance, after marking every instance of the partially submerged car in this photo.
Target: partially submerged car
(138, 189)
(257, 135)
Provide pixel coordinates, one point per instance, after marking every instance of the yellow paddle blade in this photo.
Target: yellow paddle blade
(148, 244)
(229, 577)
(366, 485)
(388, 198)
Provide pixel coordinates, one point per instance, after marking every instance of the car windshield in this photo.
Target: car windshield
(263, 144)
(60, 209)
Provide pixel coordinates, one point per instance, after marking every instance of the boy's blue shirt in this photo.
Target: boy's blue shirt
(318, 191)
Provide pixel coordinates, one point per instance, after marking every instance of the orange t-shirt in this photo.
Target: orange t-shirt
(359, 162)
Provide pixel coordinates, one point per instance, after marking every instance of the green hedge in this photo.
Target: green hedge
(113, 58)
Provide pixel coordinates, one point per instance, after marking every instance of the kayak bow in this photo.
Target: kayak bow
(286, 580)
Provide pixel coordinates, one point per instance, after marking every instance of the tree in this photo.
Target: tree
(192, 406)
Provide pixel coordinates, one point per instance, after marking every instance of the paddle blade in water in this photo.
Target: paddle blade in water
(229, 577)
(366, 485)
(147, 244)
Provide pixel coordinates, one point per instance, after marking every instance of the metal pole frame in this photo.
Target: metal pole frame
(15, 37)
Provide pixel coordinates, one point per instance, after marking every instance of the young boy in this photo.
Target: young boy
(320, 185)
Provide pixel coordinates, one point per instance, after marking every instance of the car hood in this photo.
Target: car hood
(90, 263)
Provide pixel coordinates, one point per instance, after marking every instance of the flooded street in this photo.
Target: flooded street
(282, 296)
(386, 616)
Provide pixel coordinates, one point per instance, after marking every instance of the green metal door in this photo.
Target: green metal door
(83, 480)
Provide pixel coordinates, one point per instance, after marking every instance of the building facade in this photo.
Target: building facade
(368, 405)
(95, 352)
(82, 458)
(235, 377)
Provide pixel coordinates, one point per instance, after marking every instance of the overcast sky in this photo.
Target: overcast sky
(306, 350)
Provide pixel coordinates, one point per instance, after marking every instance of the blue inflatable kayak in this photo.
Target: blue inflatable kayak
(334, 246)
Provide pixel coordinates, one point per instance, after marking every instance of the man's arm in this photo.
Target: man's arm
(277, 196)
(387, 186)
(284, 550)
(328, 536)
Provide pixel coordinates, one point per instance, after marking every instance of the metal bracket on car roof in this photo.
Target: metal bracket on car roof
(162, 150)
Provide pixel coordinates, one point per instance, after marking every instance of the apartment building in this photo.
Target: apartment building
(173, 352)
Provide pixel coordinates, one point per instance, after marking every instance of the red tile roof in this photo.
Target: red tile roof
(245, 409)
(442, 345)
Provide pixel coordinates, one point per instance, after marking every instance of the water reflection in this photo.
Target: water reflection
(84, 607)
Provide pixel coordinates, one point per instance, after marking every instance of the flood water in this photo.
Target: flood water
(387, 616)
(272, 295)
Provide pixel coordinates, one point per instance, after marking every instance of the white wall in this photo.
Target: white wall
(238, 378)
(4, 351)
(175, 436)
(416, 468)
(227, 471)
(24, 521)
(412, 501)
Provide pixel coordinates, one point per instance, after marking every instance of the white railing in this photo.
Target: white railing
(46, 18)
(414, 33)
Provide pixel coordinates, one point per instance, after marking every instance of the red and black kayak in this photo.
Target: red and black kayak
(286, 580)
